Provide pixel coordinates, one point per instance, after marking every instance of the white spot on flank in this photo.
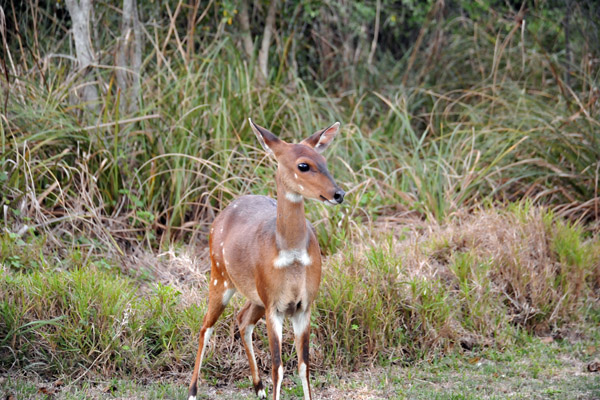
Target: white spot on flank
(293, 197)
(285, 258)
(295, 175)
(221, 232)
(222, 273)
(301, 187)
(225, 283)
(215, 282)
(221, 242)
(217, 264)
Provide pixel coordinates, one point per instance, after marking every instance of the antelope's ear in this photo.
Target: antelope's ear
(267, 140)
(320, 140)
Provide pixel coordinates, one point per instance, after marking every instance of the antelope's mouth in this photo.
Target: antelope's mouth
(327, 201)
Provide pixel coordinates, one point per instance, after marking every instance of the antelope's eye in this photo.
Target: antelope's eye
(303, 167)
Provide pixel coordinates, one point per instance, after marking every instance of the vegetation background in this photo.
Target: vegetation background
(470, 151)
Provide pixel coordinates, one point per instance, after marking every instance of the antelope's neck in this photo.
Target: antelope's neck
(292, 232)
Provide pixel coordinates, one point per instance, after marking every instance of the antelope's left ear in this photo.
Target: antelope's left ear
(320, 140)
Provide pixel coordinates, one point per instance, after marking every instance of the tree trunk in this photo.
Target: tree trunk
(129, 58)
(263, 54)
(80, 11)
(248, 44)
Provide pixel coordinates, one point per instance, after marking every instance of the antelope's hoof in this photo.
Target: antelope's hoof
(260, 390)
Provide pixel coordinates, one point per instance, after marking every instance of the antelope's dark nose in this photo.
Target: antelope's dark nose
(339, 196)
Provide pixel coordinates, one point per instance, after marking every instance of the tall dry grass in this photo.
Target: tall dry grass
(405, 292)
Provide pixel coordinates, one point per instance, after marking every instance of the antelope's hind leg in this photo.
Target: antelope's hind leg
(219, 294)
(247, 319)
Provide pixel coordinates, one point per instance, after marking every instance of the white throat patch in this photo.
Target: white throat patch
(293, 197)
(285, 258)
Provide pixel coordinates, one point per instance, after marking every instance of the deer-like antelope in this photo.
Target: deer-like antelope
(269, 252)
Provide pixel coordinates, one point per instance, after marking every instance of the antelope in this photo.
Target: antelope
(268, 251)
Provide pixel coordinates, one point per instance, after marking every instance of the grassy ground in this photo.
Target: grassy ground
(470, 228)
(540, 369)
(500, 303)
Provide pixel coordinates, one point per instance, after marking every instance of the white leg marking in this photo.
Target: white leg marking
(279, 379)
(300, 322)
(302, 371)
(277, 323)
(248, 341)
(192, 398)
(262, 394)
(248, 338)
(227, 295)
(207, 335)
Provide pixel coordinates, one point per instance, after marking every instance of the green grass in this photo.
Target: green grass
(470, 222)
(451, 137)
(87, 318)
(534, 370)
(407, 296)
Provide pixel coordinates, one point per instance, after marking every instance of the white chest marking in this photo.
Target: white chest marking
(285, 258)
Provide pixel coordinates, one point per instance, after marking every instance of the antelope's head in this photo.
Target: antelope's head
(302, 170)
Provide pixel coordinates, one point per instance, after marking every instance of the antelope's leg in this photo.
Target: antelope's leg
(301, 324)
(247, 319)
(218, 297)
(274, 329)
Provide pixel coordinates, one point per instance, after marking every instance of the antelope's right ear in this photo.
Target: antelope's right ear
(320, 140)
(268, 140)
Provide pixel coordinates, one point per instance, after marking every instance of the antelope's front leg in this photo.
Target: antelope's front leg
(274, 330)
(301, 324)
